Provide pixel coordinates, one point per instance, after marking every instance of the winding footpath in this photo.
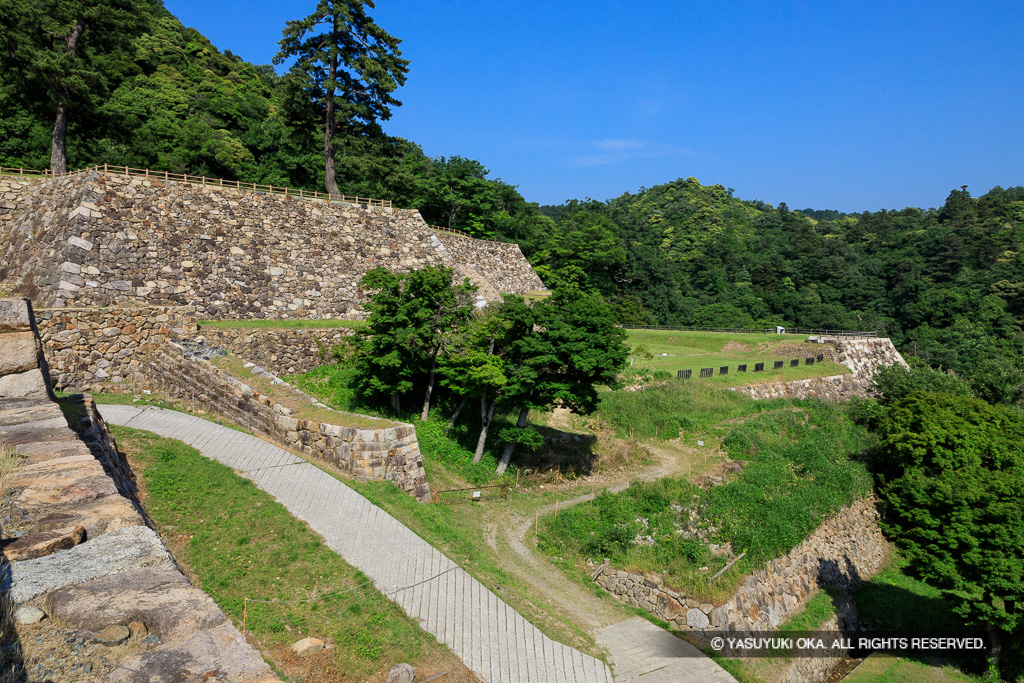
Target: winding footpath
(490, 637)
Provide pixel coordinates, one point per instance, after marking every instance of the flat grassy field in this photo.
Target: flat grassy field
(674, 351)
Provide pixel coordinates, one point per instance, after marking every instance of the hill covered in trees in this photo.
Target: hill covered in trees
(947, 284)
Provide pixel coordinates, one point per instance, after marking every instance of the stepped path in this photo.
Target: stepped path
(490, 637)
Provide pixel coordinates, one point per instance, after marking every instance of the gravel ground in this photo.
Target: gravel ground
(54, 653)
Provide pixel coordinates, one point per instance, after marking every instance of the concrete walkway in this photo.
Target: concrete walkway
(489, 636)
(640, 651)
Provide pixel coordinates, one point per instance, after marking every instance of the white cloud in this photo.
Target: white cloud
(618, 150)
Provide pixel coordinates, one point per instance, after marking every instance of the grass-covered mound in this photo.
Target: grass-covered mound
(799, 465)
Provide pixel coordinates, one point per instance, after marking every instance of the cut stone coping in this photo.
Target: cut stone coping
(121, 550)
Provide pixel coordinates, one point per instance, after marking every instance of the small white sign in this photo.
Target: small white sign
(699, 442)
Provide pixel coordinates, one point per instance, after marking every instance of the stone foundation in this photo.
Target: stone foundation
(80, 555)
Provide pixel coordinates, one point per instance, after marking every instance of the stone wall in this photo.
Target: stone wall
(23, 372)
(92, 349)
(842, 552)
(496, 266)
(97, 239)
(389, 453)
(862, 356)
(97, 593)
(284, 351)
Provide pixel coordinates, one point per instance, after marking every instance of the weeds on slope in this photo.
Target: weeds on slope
(797, 468)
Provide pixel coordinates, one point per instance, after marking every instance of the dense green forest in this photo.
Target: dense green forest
(946, 284)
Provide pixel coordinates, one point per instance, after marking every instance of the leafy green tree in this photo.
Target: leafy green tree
(951, 478)
(348, 67)
(480, 363)
(412, 315)
(61, 52)
(573, 347)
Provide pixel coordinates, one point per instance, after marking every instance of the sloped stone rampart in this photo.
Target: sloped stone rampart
(842, 552)
(75, 533)
(100, 239)
(502, 266)
(384, 454)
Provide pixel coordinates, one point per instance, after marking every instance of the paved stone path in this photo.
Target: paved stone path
(640, 651)
(489, 636)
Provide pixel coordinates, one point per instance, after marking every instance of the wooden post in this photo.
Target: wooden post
(245, 614)
(556, 508)
(536, 520)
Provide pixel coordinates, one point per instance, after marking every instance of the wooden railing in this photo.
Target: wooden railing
(203, 180)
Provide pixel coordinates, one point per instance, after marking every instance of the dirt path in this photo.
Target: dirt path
(585, 608)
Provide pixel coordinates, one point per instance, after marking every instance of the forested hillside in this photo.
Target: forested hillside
(167, 99)
(947, 284)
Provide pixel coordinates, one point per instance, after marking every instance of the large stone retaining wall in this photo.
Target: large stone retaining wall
(862, 356)
(842, 552)
(388, 453)
(96, 239)
(99, 595)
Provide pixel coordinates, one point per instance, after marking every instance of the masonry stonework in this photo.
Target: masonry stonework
(841, 553)
(99, 239)
(862, 356)
(389, 453)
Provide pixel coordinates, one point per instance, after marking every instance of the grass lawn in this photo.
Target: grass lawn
(674, 351)
(282, 323)
(235, 542)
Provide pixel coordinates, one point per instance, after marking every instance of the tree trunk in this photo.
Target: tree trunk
(396, 404)
(455, 415)
(425, 413)
(330, 125)
(59, 144)
(486, 415)
(996, 646)
(506, 455)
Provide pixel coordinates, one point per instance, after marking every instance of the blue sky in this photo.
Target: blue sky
(842, 105)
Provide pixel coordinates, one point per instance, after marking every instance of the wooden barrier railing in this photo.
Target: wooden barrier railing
(203, 180)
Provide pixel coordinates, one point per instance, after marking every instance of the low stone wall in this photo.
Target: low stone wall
(284, 351)
(817, 668)
(862, 356)
(92, 349)
(831, 388)
(843, 551)
(23, 372)
(390, 453)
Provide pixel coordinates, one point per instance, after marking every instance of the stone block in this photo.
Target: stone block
(160, 597)
(696, 619)
(15, 315)
(30, 384)
(19, 352)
